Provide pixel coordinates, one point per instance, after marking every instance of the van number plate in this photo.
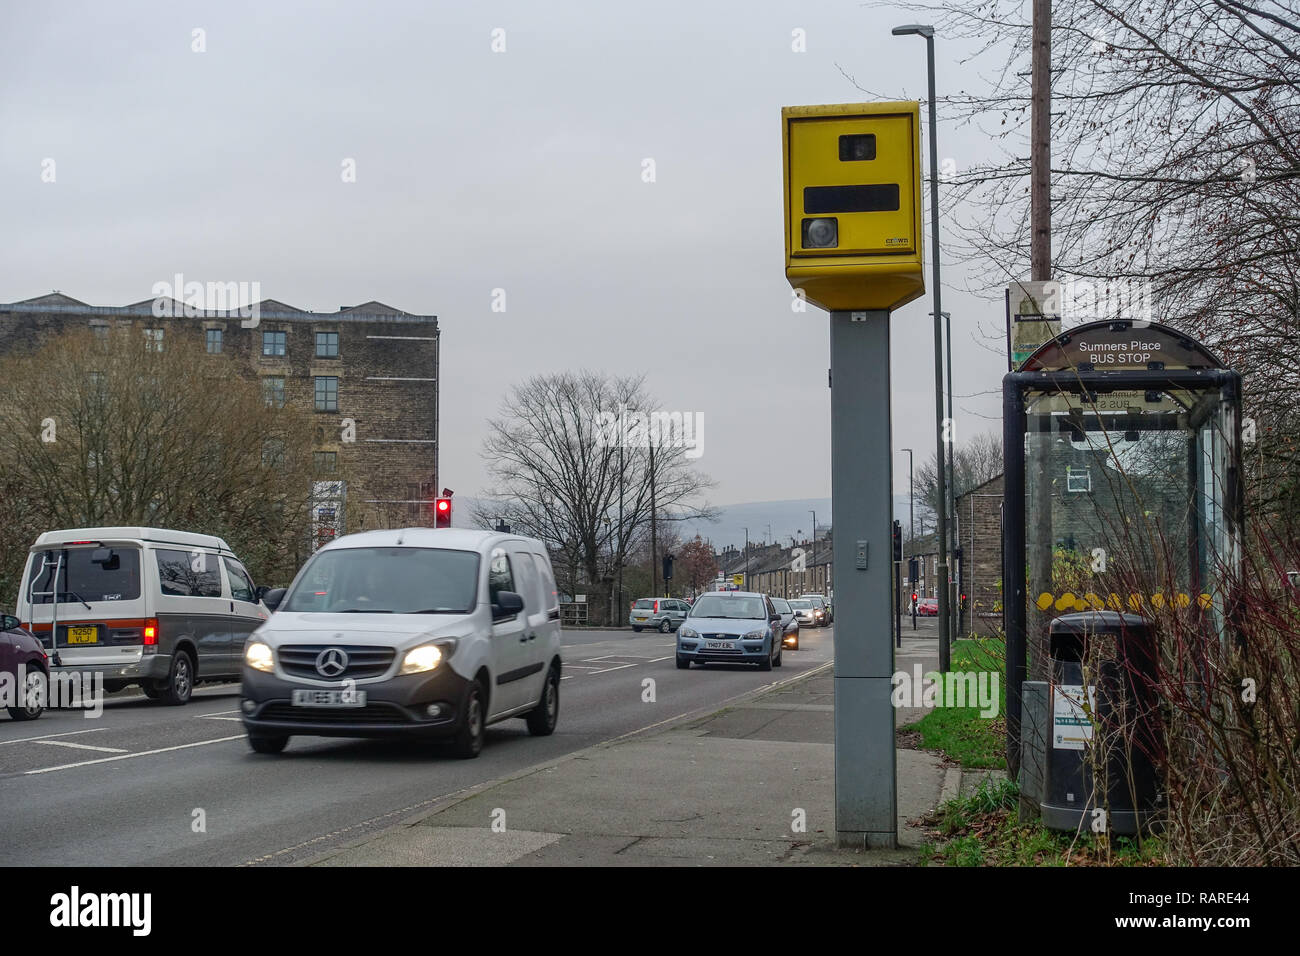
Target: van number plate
(83, 635)
(329, 698)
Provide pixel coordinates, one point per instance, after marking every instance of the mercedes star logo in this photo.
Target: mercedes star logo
(331, 662)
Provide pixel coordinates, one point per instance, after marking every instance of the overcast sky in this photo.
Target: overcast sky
(477, 170)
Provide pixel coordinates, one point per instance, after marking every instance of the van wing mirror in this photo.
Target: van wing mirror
(507, 604)
(272, 597)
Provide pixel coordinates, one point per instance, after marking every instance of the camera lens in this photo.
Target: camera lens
(821, 233)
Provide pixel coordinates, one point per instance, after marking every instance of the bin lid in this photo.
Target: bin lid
(1098, 622)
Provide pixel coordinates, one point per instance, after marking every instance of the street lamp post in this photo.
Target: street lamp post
(746, 559)
(927, 31)
(952, 470)
(814, 541)
(911, 525)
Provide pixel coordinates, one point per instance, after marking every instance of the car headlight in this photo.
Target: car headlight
(420, 659)
(685, 631)
(755, 635)
(259, 657)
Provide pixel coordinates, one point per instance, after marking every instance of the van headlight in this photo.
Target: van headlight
(420, 659)
(259, 657)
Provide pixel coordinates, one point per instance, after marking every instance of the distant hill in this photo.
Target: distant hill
(786, 518)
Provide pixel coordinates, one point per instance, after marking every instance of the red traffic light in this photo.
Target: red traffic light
(442, 513)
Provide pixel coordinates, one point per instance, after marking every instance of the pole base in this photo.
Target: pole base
(866, 840)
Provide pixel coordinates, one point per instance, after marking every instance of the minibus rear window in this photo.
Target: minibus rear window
(114, 577)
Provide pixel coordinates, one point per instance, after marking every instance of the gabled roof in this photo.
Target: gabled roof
(274, 305)
(372, 308)
(53, 298)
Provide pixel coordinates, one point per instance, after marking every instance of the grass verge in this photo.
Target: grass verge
(962, 733)
(982, 829)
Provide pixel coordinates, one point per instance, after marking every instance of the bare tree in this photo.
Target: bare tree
(559, 453)
(103, 432)
(1175, 179)
(974, 463)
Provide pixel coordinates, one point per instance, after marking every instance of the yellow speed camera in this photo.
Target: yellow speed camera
(853, 204)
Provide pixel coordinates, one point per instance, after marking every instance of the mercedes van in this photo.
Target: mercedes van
(418, 633)
(149, 606)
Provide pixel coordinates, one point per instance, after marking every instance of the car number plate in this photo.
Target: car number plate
(641, 619)
(329, 698)
(83, 635)
(720, 645)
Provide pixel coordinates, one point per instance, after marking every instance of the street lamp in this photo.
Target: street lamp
(814, 541)
(746, 559)
(927, 31)
(911, 524)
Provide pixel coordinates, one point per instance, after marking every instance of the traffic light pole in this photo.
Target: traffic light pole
(866, 802)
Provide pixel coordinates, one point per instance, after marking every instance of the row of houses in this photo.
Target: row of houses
(807, 567)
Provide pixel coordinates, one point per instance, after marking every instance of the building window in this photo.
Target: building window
(273, 343)
(327, 393)
(213, 339)
(325, 462)
(327, 345)
(153, 340)
(273, 390)
(272, 453)
(1078, 478)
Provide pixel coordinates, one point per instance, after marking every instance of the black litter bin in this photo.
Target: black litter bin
(1121, 650)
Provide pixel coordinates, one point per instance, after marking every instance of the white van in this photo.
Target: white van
(162, 609)
(420, 632)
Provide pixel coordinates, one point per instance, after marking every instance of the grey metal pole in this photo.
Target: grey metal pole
(814, 541)
(945, 661)
(620, 524)
(952, 472)
(746, 559)
(861, 491)
(927, 31)
(911, 524)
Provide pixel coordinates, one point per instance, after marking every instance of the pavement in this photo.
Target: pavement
(749, 784)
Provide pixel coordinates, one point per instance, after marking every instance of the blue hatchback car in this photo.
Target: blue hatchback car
(731, 627)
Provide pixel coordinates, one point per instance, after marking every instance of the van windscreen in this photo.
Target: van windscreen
(110, 573)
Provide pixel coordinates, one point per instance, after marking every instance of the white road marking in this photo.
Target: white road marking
(217, 713)
(69, 743)
(70, 733)
(658, 659)
(214, 717)
(608, 669)
(143, 753)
